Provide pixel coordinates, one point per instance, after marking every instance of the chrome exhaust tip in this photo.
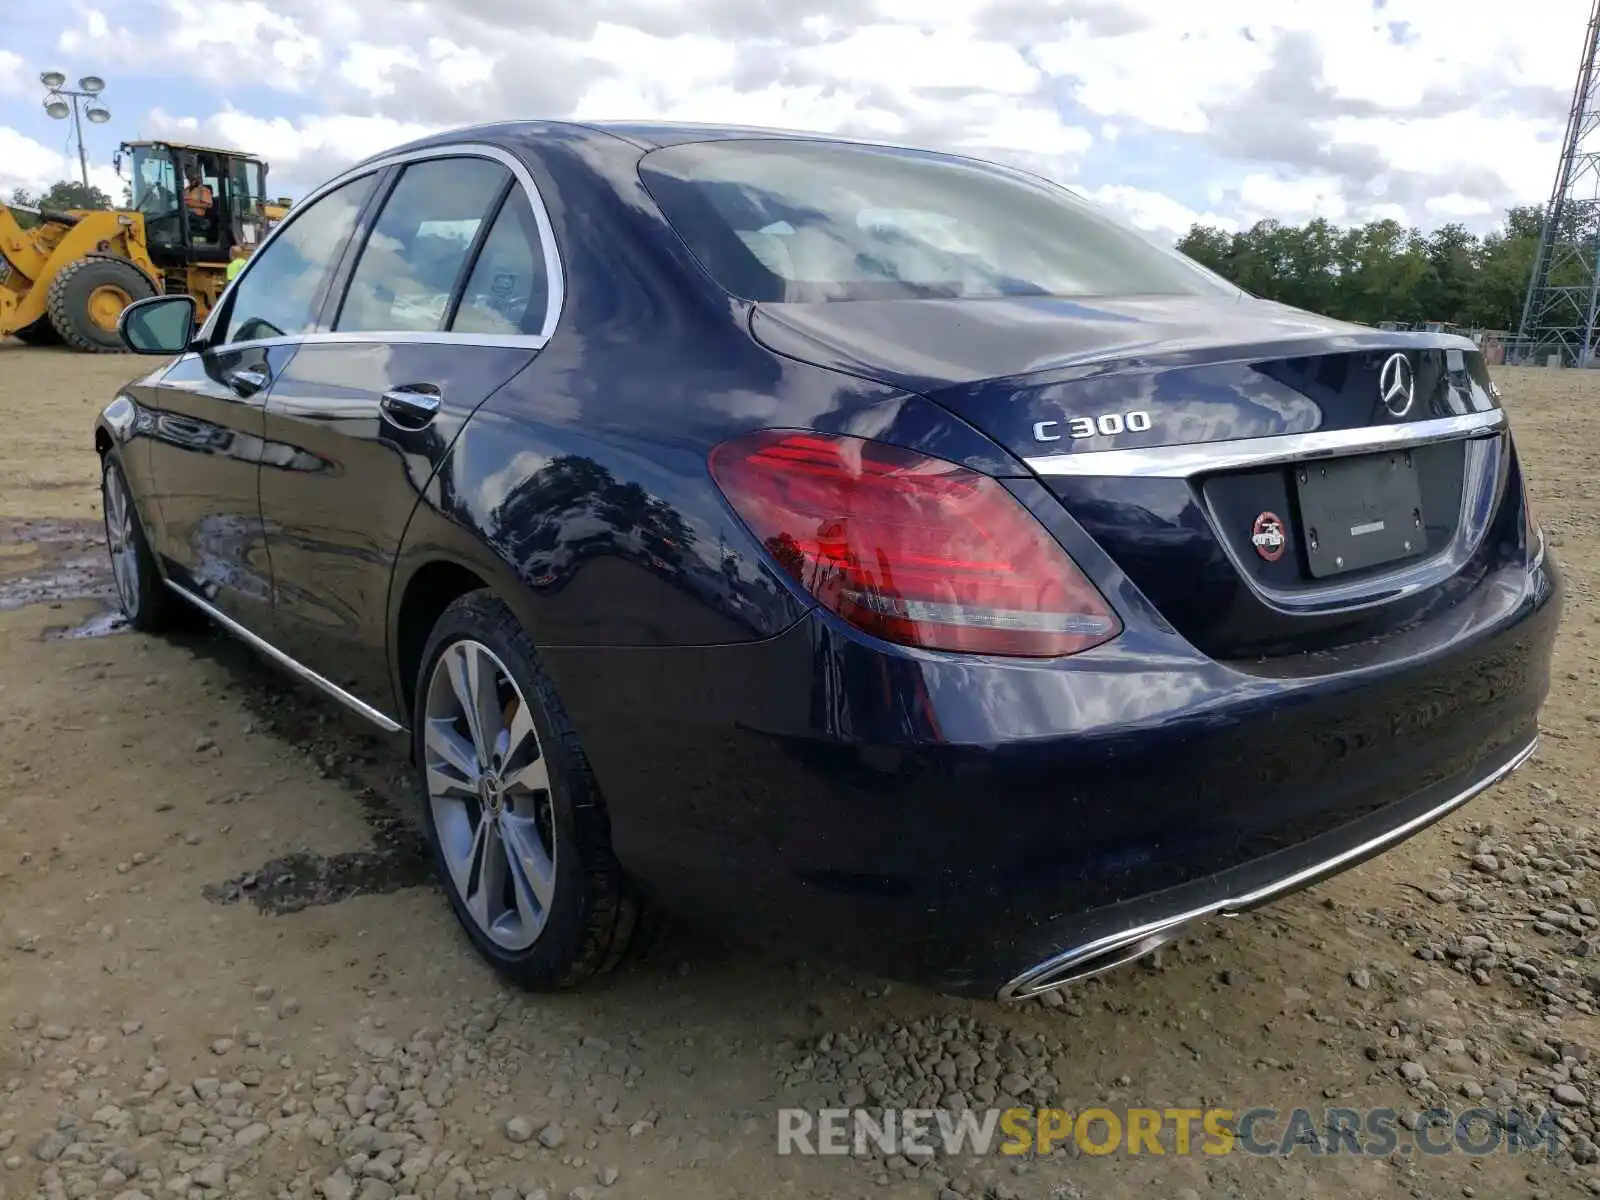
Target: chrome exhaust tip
(1095, 958)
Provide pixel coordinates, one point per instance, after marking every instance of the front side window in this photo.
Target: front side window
(793, 220)
(419, 245)
(508, 290)
(155, 183)
(200, 193)
(280, 292)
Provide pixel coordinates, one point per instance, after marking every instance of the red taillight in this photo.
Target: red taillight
(911, 549)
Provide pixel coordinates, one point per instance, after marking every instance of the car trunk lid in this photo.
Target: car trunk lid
(1274, 481)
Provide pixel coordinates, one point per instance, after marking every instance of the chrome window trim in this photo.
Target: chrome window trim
(361, 707)
(1194, 458)
(554, 271)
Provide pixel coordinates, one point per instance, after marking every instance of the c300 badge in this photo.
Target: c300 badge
(1268, 537)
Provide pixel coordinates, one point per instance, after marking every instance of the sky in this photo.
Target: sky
(1169, 111)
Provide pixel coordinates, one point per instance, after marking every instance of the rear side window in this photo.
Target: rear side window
(419, 245)
(792, 220)
(280, 293)
(508, 290)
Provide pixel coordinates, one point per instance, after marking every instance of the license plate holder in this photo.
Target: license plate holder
(1360, 512)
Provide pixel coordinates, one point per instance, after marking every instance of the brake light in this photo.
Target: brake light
(911, 549)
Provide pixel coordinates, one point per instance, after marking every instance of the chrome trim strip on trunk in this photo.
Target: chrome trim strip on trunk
(1193, 458)
(1056, 971)
(256, 642)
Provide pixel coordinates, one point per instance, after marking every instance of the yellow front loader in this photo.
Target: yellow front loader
(68, 277)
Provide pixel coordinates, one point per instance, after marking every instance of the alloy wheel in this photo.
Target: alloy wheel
(120, 540)
(489, 794)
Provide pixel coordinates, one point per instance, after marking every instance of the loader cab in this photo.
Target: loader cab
(198, 203)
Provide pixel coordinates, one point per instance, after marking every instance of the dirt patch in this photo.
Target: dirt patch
(223, 973)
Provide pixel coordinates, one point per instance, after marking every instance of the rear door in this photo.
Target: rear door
(444, 302)
(209, 414)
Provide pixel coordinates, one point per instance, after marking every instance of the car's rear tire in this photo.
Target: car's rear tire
(510, 810)
(143, 598)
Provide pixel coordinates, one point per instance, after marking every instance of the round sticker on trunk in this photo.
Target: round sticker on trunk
(1268, 537)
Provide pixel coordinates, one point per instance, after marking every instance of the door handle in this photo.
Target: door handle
(247, 381)
(412, 405)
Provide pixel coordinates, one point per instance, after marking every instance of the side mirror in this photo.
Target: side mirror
(158, 325)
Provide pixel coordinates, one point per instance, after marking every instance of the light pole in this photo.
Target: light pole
(55, 103)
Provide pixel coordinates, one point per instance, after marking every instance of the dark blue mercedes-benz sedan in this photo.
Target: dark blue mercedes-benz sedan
(879, 553)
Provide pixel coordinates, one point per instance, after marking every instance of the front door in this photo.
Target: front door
(418, 342)
(208, 414)
(208, 440)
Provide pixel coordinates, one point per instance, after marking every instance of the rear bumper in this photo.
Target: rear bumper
(959, 821)
(1131, 931)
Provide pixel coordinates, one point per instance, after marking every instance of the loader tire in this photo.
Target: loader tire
(40, 333)
(88, 296)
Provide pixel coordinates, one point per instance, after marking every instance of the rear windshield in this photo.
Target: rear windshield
(789, 220)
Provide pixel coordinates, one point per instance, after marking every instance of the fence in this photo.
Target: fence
(1526, 352)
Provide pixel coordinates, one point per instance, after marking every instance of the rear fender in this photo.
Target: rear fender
(432, 538)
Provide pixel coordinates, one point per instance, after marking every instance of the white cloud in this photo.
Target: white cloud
(202, 39)
(1153, 212)
(459, 66)
(1282, 108)
(13, 75)
(1506, 148)
(25, 163)
(772, 107)
(1342, 75)
(1292, 201)
(1456, 207)
(902, 57)
(302, 152)
(367, 67)
(1161, 75)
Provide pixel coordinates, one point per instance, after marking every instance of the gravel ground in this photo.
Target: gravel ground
(224, 972)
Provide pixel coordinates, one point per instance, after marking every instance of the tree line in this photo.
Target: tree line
(59, 197)
(1381, 271)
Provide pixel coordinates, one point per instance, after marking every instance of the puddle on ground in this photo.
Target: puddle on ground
(102, 624)
(303, 879)
(306, 880)
(50, 562)
(375, 771)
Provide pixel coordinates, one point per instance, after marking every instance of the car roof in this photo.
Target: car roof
(644, 135)
(654, 134)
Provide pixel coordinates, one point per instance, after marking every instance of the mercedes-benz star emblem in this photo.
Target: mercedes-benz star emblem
(1397, 385)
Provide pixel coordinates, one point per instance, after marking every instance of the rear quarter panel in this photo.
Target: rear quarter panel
(585, 479)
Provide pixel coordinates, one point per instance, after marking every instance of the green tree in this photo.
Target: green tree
(1504, 268)
(69, 195)
(1380, 271)
(21, 199)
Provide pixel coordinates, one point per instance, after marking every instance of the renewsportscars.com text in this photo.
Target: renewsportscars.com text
(919, 1133)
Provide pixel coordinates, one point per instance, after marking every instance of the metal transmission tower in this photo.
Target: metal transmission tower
(1561, 314)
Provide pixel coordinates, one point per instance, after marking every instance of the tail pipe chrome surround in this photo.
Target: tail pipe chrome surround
(1117, 949)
